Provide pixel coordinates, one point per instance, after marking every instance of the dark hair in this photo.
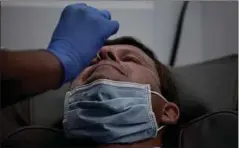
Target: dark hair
(167, 87)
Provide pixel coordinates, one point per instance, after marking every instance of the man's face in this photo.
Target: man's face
(121, 63)
(130, 64)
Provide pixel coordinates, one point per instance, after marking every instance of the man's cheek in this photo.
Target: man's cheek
(146, 77)
(84, 74)
(80, 78)
(140, 77)
(75, 83)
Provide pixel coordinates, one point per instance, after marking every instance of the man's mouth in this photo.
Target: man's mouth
(91, 72)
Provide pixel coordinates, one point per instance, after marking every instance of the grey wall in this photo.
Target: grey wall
(165, 19)
(210, 28)
(30, 24)
(210, 31)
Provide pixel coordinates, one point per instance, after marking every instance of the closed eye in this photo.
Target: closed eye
(131, 59)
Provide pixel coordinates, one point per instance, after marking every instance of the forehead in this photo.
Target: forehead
(131, 49)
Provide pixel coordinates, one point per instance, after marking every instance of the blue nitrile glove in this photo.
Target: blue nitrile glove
(79, 35)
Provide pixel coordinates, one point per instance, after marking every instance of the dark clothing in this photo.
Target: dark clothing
(41, 137)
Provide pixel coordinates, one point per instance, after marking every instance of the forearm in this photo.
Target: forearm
(26, 73)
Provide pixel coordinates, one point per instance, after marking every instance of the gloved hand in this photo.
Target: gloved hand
(79, 35)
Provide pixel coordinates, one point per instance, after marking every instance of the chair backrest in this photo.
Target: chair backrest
(215, 130)
(207, 87)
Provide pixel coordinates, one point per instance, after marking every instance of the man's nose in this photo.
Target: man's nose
(107, 53)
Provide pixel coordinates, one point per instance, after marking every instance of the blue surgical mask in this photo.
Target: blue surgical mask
(107, 111)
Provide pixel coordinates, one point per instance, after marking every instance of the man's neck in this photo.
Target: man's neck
(149, 143)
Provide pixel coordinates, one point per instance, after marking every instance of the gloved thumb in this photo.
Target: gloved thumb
(114, 27)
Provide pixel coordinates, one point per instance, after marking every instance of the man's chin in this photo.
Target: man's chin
(92, 79)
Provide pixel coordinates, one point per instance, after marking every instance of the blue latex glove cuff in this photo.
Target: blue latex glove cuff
(66, 59)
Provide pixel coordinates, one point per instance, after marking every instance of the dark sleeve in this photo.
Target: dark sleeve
(11, 92)
(27, 73)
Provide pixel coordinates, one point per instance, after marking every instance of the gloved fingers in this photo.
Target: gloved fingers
(114, 27)
(106, 14)
(78, 5)
(75, 6)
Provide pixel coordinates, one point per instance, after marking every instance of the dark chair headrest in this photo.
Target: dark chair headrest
(207, 87)
(215, 130)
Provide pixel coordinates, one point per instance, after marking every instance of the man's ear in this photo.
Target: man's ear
(170, 114)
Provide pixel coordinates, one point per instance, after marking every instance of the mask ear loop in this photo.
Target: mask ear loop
(163, 126)
(156, 93)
